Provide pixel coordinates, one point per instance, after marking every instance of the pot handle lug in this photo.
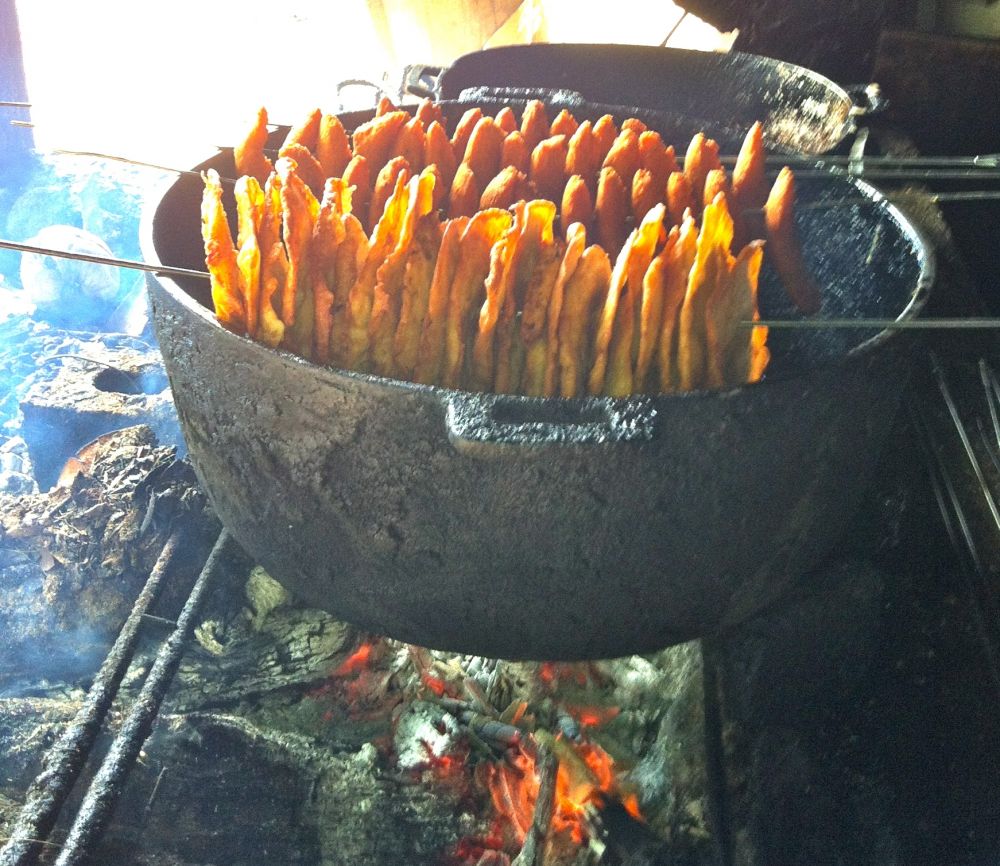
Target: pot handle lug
(420, 79)
(867, 99)
(501, 419)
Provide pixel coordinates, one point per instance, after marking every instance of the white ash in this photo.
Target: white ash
(424, 732)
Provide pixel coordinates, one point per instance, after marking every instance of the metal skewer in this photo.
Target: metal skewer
(124, 159)
(983, 160)
(790, 324)
(902, 173)
(105, 260)
(880, 324)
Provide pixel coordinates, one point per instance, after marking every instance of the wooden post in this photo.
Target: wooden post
(16, 142)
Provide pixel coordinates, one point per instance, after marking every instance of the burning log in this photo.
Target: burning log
(494, 732)
(533, 850)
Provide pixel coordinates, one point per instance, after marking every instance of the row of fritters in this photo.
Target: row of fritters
(497, 301)
(598, 174)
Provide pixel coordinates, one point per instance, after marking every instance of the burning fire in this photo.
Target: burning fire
(355, 662)
(586, 776)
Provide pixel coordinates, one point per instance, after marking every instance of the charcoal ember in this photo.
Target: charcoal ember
(493, 858)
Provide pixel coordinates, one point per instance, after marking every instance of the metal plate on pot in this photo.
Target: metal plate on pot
(802, 111)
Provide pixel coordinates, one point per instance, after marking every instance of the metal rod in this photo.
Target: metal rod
(673, 30)
(8, 104)
(992, 389)
(807, 324)
(124, 159)
(985, 160)
(895, 196)
(102, 795)
(65, 760)
(105, 260)
(880, 324)
(974, 574)
(976, 174)
(964, 436)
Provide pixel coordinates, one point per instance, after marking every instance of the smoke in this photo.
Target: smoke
(37, 647)
(50, 309)
(51, 306)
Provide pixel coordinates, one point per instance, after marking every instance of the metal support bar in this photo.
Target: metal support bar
(66, 758)
(102, 796)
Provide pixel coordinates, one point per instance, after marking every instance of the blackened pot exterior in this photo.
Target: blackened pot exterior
(358, 495)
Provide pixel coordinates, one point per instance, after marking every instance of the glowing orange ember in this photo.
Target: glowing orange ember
(586, 775)
(593, 717)
(355, 662)
(435, 684)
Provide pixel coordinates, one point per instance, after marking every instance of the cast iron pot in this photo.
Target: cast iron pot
(802, 111)
(546, 528)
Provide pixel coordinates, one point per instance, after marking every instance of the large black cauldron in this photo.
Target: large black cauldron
(547, 528)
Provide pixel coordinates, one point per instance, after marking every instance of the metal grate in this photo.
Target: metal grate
(977, 431)
(70, 754)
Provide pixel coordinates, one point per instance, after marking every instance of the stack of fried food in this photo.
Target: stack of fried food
(464, 261)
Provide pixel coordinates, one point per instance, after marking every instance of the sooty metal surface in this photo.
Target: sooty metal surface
(802, 111)
(532, 528)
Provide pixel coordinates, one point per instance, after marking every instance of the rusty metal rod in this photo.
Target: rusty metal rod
(65, 760)
(807, 324)
(105, 260)
(880, 324)
(109, 781)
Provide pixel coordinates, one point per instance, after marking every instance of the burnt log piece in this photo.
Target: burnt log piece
(73, 559)
(533, 851)
(100, 389)
(673, 776)
(233, 663)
